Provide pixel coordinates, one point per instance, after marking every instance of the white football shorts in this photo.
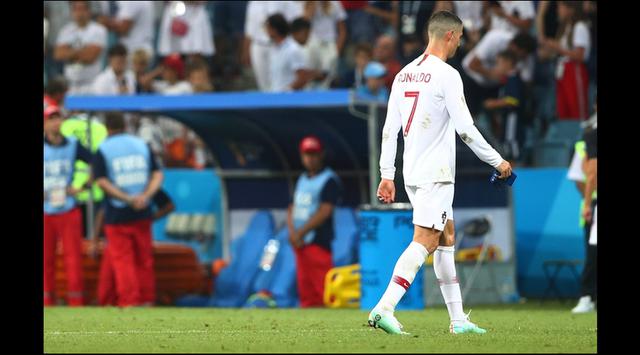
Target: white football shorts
(432, 204)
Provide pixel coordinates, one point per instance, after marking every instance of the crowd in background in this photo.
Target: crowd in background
(525, 64)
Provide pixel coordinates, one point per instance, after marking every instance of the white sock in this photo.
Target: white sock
(445, 269)
(404, 272)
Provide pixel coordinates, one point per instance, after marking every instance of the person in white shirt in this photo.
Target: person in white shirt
(512, 16)
(172, 83)
(288, 67)
(116, 79)
(573, 46)
(470, 12)
(80, 45)
(134, 25)
(480, 64)
(185, 29)
(321, 72)
(256, 44)
(427, 104)
(328, 26)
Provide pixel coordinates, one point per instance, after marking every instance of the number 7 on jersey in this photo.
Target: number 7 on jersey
(415, 95)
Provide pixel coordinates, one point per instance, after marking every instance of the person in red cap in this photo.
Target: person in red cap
(310, 221)
(172, 77)
(62, 219)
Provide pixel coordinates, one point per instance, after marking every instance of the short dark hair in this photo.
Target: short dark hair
(300, 24)
(114, 121)
(117, 50)
(279, 24)
(364, 47)
(57, 85)
(524, 41)
(441, 22)
(509, 55)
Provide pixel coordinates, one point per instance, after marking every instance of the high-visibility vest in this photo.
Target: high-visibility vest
(581, 149)
(77, 127)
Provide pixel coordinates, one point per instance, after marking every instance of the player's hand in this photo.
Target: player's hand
(72, 191)
(139, 202)
(587, 213)
(504, 169)
(386, 191)
(295, 239)
(92, 250)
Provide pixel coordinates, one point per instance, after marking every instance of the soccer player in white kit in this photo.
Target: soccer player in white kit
(427, 103)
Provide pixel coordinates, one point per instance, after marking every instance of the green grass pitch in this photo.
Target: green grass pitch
(529, 327)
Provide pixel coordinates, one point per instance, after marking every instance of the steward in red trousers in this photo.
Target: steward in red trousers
(62, 219)
(107, 292)
(127, 171)
(310, 222)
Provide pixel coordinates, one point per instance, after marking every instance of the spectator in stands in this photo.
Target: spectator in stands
(126, 170)
(374, 74)
(328, 26)
(470, 12)
(411, 49)
(107, 289)
(310, 222)
(147, 128)
(358, 22)
(116, 79)
(58, 15)
(133, 24)
(384, 15)
(61, 216)
(590, 10)
(384, 52)
(482, 78)
(506, 109)
(546, 26)
(80, 46)
(228, 25)
(573, 45)
(321, 69)
(55, 92)
(256, 45)
(185, 29)
(288, 69)
(354, 78)
(198, 76)
(139, 63)
(412, 20)
(172, 72)
(511, 16)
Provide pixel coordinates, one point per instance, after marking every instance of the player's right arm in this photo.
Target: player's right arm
(392, 124)
(459, 113)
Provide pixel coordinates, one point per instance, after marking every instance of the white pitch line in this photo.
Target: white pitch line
(134, 331)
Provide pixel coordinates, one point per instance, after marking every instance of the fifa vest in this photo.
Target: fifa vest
(58, 172)
(128, 163)
(306, 199)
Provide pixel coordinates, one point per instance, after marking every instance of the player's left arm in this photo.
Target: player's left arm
(463, 123)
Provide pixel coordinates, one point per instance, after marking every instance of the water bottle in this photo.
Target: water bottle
(269, 254)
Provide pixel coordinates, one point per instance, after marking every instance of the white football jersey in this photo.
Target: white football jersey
(427, 102)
